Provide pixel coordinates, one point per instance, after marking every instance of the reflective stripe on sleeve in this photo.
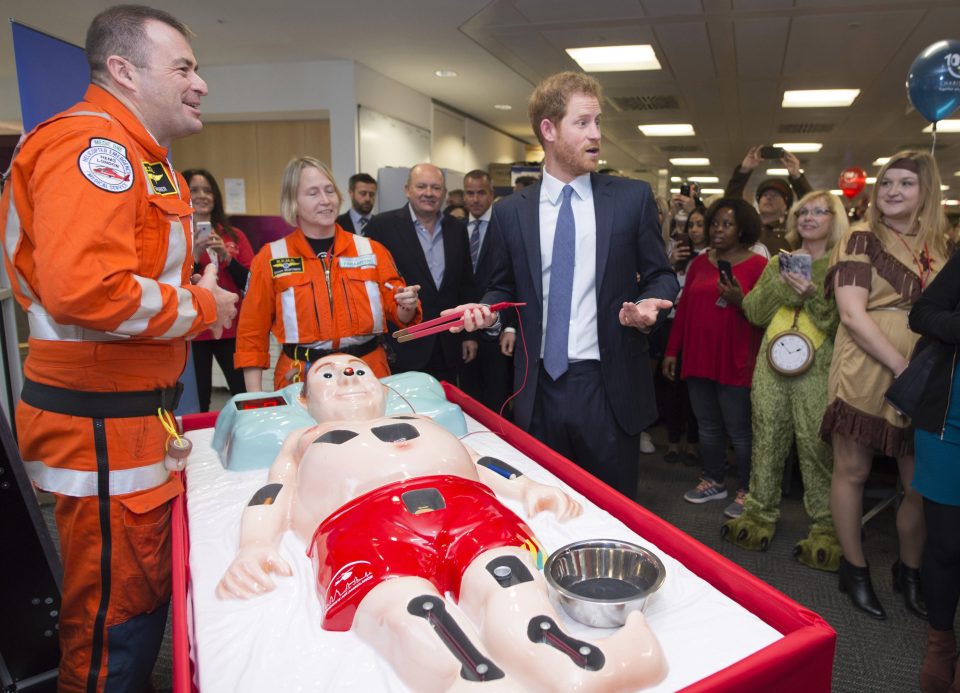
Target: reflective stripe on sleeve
(79, 484)
(364, 247)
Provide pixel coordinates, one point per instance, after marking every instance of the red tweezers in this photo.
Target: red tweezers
(442, 324)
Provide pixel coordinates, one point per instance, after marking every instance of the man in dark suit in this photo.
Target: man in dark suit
(488, 377)
(363, 193)
(574, 245)
(430, 250)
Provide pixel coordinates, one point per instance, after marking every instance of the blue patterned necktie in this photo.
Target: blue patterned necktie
(475, 242)
(561, 289)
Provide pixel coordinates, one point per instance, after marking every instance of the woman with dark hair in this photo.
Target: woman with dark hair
(877, 271)
(937, 441)
(719, 346)
(675, 405)
(215, 236)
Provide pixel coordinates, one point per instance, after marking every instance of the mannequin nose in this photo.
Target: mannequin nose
(348, 371)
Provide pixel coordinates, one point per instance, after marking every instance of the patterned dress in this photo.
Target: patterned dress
(889, 266)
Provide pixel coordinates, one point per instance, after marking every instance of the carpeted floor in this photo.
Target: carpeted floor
(872, 656)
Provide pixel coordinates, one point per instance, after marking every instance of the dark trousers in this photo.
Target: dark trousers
(204, 352)
(722, 410)
(489, 377)
(676, 410)
(572, 416)
(940, 571)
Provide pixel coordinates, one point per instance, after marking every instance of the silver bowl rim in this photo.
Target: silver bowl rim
(604, 543)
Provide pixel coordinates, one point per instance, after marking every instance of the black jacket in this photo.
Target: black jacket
(935, 316)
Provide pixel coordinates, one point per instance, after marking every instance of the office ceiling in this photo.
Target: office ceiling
(725, 64)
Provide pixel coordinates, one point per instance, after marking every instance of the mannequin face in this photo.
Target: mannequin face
(343, 388)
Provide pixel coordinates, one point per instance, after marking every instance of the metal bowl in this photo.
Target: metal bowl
(599, 582)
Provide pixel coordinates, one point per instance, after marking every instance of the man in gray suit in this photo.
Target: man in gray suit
(574, 245)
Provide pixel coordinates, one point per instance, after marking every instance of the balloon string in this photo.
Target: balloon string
(933, 146)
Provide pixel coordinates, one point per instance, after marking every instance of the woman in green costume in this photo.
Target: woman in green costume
(789, 391)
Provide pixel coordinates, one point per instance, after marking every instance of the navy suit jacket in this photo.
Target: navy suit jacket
(346, 222)
(395, 230)
(629, 243)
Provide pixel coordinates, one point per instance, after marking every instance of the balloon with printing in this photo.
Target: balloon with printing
(852, 181)
(933, 83)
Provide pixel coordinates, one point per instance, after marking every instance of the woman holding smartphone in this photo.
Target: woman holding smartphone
(718, 346)
(877, 272)
(215, 239)
(790, 384)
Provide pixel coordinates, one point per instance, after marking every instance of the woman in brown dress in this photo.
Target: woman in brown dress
(877, 272)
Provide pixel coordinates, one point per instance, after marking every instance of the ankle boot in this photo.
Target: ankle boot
(855, 581)
(907, 580)
(938, 663)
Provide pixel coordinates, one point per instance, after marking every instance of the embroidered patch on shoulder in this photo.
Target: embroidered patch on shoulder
(104, 163)
(159, 179)
(280, 266)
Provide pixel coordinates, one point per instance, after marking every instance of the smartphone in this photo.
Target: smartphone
(726, 271)
(202, 230)
(689, 189)
(771, 152)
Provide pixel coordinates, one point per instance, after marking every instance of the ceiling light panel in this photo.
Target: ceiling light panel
(690, 161)
(819, 98)
(615, 58)
(800, 147)
(667, 130)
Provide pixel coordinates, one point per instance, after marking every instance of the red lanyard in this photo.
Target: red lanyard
(924, 263)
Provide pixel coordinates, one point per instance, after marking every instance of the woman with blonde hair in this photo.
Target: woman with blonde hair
(789, 392)
(321, 289)
(877, 272)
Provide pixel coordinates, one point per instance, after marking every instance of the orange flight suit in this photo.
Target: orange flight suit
(328, 304)
(98, 249)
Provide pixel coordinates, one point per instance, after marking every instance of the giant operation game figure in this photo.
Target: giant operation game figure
(397, 512)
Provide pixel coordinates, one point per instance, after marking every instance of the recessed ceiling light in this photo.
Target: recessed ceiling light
(881, 160)
(779, 172)
(944, 187)
(502, 106)
(690, 161)
(615, 58)
(445, 73)
(871, 180)
(667, 130)
(602, 162)
(675, 191)
(712, 191)
(951, 203)
(704, 179)
(945, 126)
(838, 193)
(800, 147)
(677, 179)
(819, 98)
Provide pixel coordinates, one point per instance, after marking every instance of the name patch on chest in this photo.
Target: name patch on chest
(368, 260)
(279, 266)
(104, 163)
(159, 178)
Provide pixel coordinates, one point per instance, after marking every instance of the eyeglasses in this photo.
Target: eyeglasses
(816, 211)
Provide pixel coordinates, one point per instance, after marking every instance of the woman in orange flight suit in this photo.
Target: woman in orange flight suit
(320, 289)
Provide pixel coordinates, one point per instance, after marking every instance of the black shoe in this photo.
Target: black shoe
(855, 581)
(907, 580)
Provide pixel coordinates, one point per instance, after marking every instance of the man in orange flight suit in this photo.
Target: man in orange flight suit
(98, 248)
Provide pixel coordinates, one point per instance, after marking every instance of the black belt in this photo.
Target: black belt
(100, 405)
(299, 353)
